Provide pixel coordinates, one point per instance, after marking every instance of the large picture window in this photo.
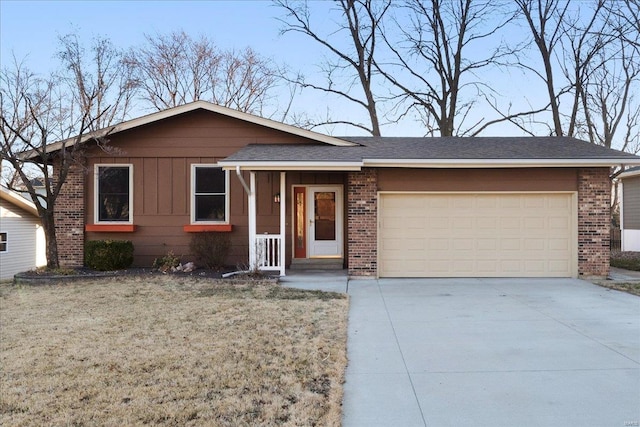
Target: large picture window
(114, 194)
(209, 203)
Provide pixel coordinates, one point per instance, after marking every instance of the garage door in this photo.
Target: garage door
(477, 235)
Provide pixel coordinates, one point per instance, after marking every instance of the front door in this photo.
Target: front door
(321, 231)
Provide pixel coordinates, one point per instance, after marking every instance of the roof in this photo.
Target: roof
(19, 201)
(193, 106)
(433, 152)
(631, 172)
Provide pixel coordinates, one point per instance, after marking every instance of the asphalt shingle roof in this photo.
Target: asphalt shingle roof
(499, 148)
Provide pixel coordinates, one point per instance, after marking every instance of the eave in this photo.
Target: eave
(19, 201)
(496, 163)
(197, 105)
(265, 165)
(291, 166)
(629, 174)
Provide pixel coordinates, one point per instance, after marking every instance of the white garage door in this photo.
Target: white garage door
(477, 235)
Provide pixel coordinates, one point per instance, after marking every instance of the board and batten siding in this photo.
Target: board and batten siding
(25, 241)
(161, 155)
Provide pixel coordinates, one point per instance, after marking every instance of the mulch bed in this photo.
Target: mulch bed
(43, 277)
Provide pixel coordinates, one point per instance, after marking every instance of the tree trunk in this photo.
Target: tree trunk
(49, 226)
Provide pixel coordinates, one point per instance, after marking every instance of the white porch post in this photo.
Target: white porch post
(253, 261)
(283, 199)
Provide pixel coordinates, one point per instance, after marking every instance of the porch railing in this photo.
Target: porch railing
(269, 252)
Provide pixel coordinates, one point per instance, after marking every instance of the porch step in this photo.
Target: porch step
(317, 264)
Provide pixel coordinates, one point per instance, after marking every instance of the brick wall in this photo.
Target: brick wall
(362, 229)
(594, 201)
(69, 214)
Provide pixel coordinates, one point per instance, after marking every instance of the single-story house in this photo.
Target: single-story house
(22, 244)
(630, 209)
(377, 206)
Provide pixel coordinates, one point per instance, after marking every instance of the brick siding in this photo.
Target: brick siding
(69, 214)
(362, 229)
(594, 201)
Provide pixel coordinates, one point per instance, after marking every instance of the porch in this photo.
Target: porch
(296, 220)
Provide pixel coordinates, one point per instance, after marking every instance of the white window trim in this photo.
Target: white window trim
(193, 194)
(96, 188)
(6, 242)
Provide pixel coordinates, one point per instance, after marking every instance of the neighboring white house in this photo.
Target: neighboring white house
(22, 242)
(630, 209)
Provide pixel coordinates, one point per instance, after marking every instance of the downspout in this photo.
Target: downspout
(251, 225)
(242, 181)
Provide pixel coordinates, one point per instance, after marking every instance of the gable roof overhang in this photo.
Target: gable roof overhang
(630, 173)
(19, 201)
(186, 108)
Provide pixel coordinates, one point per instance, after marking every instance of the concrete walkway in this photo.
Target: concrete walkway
(488, 352)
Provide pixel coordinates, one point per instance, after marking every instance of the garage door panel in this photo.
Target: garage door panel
(510, 266)
(466, 235)
(439, 244)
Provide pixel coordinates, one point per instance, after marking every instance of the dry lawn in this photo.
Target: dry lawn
(170, 351)
(628, 287)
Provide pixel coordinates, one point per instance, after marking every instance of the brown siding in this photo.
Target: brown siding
(631, 203)
(162, 154)
(542, 179)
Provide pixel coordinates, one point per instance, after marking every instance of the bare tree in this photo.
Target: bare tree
(35, 112)
(351, 64)
(244, 81)
(437, 59)
(175, 69)
(101, 82)
(590, 67)
(544, 19)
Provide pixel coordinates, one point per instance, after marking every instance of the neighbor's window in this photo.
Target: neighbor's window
(210, 190)
(3, 242)
(114, 194)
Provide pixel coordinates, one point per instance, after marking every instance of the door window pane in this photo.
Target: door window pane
(325, 215)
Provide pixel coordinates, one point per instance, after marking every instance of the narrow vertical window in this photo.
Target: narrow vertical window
(114, 195)
(3, 242)
(209, 194)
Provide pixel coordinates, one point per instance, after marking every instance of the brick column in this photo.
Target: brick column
(69, 217)
(362, 229)
(594, 222)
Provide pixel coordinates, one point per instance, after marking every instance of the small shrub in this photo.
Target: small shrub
(167, 262)
(107, 255)
(210, 248)
(627, 260)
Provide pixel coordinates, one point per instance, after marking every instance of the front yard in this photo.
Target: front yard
(163, 350)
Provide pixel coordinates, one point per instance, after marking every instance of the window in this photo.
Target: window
(114, 194)
(3, 242)
(209, 203)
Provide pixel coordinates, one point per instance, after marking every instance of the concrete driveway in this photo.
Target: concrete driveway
(491, 352)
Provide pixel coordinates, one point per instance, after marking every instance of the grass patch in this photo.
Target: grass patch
(165, 350)
(631, 288)
(627, 260)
